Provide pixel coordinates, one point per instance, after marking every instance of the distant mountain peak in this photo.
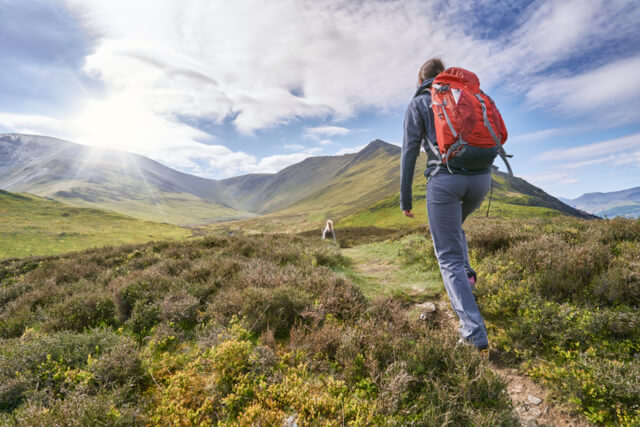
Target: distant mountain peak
(377, 146)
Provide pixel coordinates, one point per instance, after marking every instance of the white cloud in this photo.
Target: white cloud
(280, 161)
(611, 92)
(592, 151)
(628, 159)
(350, 150)
(294, 147)
(31, 124)
(541, 135)
(326, 142)
(551, 177)
(323, 131)
(265, 64)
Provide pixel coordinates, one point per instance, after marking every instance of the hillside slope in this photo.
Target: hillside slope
(108, 179)
(366, 190)
(30, 225)
(298, 197)
(511, 197)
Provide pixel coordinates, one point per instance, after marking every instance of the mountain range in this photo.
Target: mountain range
(339, 187)
(616, 203)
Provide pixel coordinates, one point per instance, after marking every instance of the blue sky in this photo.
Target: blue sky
(220, 88)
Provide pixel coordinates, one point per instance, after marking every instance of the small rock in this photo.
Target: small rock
(535, 412)
(290, 421)
(531, 423)
(534, 400)
(517, 388)
(427, 307)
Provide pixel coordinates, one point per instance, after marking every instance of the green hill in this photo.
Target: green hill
(364, 191)
(30, 225)
(356, 189)
(107, 179)
(511, 197)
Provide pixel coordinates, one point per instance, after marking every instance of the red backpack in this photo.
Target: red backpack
(469, 128)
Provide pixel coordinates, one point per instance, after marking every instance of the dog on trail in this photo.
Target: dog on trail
(328, 229)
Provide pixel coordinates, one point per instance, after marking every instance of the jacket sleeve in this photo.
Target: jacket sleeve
(411, 141)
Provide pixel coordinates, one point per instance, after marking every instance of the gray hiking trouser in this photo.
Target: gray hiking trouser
(450, 199)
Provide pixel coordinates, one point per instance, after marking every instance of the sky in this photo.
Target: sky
(224, 88)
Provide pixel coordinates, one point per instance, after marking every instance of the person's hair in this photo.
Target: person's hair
(431, 68)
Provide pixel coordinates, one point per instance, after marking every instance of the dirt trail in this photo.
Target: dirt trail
(529, 399)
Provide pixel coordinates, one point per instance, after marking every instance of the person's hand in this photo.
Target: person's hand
(408, 214)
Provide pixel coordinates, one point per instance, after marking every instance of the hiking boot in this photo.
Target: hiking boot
(483, 349)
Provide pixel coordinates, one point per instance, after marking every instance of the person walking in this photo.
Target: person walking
(453, 193)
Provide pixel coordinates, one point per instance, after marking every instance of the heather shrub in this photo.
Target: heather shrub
(487, 236)
(146, 286)
(63, 271)
(620, 229)
(81, 311)
(13, 322)
(621, 282)
(340, 298)
(144, 316)
(180, 308)
(201, 338)
(276, 309)
(556, 269)
(55, 363)
(563, 304)
(118, 366)
(77, 410)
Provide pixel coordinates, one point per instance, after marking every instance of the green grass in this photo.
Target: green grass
(504, 204)
(30, 225)
(377, 269)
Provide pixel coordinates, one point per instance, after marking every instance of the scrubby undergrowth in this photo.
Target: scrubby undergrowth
(561, 298)
(242, 330)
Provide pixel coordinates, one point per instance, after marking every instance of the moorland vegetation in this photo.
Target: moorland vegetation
(260, 329)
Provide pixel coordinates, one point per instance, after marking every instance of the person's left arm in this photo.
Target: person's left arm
(411, 141)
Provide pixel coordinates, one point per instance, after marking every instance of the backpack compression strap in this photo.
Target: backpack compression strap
(487, 124)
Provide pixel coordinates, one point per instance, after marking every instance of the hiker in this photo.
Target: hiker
(328, 228)
(455, 188)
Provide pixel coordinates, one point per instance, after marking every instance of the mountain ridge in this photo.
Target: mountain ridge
(613, 203)
(315, 188)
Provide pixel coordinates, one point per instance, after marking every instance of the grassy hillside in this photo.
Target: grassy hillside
(30, 225)
(107, 179)
(512, 197)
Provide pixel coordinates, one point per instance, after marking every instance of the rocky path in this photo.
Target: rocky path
(529, 399)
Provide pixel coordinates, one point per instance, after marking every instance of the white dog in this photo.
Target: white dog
(328, 229)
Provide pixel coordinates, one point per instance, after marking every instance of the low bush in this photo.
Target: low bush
(563, 304)
(81, 311)
(53, 364)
